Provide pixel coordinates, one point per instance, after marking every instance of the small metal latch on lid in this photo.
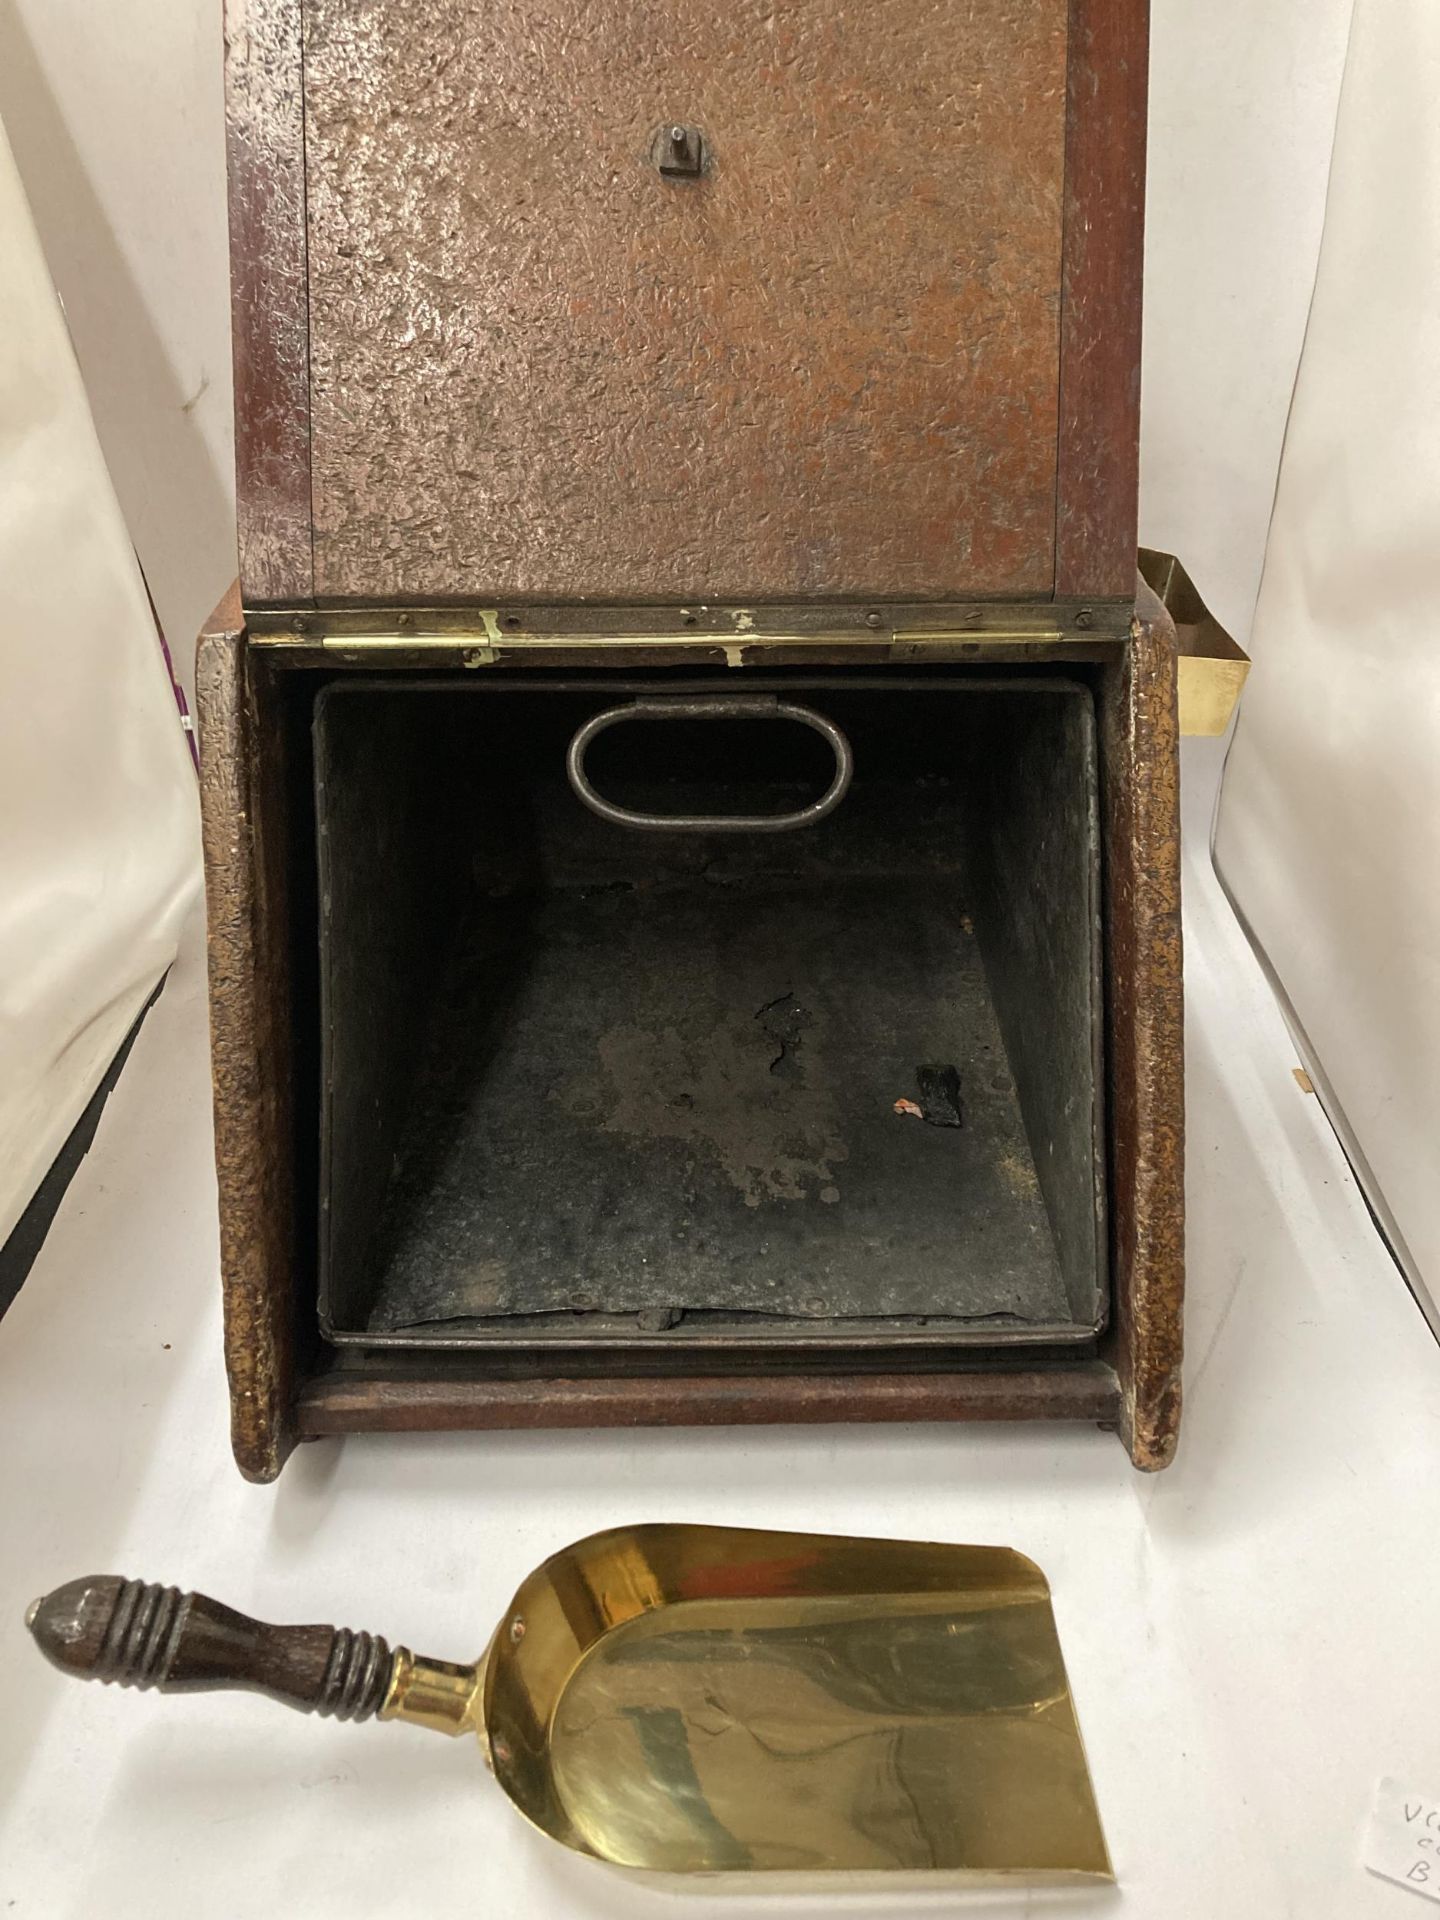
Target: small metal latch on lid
(678, 150)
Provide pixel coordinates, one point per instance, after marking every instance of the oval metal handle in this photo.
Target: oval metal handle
(712, 707)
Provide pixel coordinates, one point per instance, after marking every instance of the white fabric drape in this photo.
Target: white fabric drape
(1328, 835)
(99, 841)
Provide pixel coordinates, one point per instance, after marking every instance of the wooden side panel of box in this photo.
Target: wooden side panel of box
(1141, 800)
(245, 889)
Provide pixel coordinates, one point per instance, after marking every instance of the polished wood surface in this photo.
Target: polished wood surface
(130, 1634)
(398, 1400)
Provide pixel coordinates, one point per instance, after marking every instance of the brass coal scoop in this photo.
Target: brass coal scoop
(696, 1700)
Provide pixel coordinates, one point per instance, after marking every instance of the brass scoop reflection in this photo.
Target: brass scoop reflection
(690, 1700)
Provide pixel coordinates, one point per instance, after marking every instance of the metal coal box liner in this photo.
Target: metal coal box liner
(590, 1084)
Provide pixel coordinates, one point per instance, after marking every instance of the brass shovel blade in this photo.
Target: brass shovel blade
(690, 1699)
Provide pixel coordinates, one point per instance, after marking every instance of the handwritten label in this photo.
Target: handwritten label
(1402, 1842)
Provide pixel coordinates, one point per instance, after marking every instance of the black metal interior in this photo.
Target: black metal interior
(588, 1085)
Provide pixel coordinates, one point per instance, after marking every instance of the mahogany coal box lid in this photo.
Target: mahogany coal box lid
(689, 765)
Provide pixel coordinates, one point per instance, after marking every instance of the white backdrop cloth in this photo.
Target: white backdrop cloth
(99, 837)
(1329, 825)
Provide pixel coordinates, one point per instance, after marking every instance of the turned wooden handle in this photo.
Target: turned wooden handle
(105, 1628)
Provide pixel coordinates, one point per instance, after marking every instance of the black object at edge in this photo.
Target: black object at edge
(28, 1235)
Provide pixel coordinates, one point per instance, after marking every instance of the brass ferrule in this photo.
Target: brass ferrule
(435, 1693)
